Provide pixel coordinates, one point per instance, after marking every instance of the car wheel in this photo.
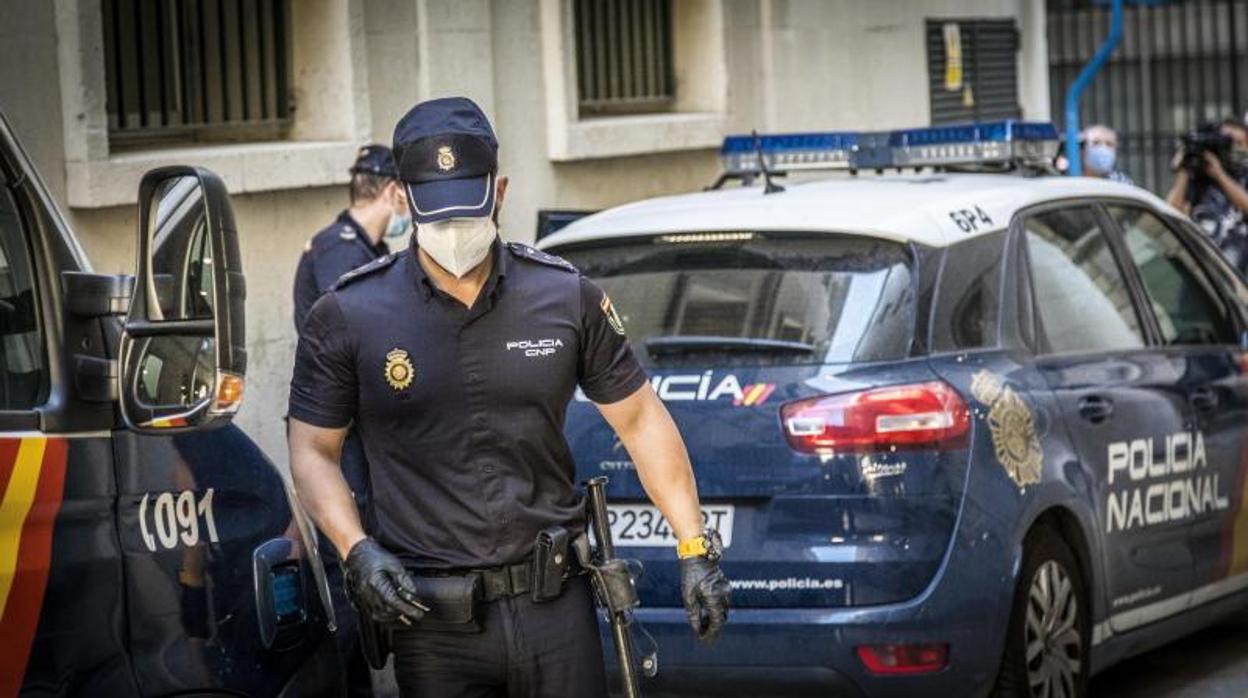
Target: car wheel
(1047, 643)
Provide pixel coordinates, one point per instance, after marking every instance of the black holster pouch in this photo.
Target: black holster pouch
(374, 641)
(550, 564)
(615, 583)
(452, 601)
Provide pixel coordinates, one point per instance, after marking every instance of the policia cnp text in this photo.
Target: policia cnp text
(464, 437)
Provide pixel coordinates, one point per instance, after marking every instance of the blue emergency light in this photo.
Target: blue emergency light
(989, 144)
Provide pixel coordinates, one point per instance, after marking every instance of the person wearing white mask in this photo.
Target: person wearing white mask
(1100, 154)
(456, 360)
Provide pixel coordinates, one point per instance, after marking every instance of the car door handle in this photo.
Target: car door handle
(1204, 399)
(1095, 408)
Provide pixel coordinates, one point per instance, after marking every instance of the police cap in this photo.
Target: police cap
(375, 159)
(447, 157)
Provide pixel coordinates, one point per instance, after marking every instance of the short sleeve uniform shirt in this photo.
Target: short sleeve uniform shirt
(461, 410)
(332, 252)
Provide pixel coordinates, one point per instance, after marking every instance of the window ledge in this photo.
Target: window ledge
(615, 136)
(247, 167)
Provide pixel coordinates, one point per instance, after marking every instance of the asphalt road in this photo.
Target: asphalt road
(1210, 664)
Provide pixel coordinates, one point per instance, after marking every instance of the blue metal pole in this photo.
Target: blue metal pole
(1073, 156)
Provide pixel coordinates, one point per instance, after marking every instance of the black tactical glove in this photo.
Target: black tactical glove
(380, 586)
(705, 591)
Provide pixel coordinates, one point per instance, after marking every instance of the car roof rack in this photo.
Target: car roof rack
(1010, 145)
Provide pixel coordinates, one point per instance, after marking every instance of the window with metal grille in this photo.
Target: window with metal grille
(972, 67)
(624, 56)
(1180, 64)
(195, 70)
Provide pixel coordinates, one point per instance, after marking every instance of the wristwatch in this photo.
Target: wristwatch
(708, 545)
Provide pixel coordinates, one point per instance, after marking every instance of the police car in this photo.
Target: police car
(962, 433)
(147, 546)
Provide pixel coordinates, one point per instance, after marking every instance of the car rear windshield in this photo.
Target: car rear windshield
(753, 299)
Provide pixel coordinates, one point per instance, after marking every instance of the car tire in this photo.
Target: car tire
(1050, 614)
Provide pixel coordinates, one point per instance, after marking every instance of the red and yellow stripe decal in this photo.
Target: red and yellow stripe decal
(32, 482)
(755, 394)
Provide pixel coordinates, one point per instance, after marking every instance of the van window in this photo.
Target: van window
(1188, 307)
(1082, 300)
(23, 374)
(746, 298)
(969, 298)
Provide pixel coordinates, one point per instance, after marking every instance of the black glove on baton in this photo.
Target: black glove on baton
(379, 584)
(705, 591)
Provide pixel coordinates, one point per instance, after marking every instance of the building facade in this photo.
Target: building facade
(596, 102)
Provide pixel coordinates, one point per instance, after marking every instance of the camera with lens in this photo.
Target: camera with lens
(1206, 138)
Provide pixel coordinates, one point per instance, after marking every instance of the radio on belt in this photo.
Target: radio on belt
(998, 143)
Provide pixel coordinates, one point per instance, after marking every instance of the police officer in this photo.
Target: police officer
(457, 359)
(358, 236)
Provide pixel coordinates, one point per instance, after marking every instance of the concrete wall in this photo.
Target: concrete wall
(771, 64)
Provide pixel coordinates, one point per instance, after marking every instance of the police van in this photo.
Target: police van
(962, 433)
(147, 546)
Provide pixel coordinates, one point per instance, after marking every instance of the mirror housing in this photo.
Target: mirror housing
(183, 359)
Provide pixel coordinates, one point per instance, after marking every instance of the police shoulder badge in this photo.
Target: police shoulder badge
(399, 369)
(1012, 426)
(613, 318)
(446, 158)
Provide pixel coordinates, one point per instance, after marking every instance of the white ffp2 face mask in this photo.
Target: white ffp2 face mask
(457, 244)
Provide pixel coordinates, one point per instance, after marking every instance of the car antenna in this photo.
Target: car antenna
(769, 187)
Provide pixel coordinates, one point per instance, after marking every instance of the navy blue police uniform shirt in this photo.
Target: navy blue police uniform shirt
(332, 252)
(461, 411)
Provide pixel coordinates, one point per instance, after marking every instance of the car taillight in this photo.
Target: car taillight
(922, 415)
(904, 659)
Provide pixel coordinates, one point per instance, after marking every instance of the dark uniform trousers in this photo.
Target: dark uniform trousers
(524, 650)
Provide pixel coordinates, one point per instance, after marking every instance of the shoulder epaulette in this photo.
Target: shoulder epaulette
(522, 250)
(359, 272)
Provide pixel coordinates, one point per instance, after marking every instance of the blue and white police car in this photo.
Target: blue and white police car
(962, 433)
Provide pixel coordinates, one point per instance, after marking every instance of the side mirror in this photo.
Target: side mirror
(183, 359)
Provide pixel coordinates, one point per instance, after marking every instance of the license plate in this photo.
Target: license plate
(642, 526)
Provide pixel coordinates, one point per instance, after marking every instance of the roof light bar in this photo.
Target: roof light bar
(990, 143)
(789, 151)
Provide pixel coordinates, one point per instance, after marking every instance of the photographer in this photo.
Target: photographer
(1211, 186)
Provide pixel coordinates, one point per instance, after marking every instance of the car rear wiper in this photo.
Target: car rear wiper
(675, 344)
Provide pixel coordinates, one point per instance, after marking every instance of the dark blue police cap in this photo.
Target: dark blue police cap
(447, 156)
(375, 159)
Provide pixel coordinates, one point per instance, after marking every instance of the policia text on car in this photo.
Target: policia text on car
(468, 462)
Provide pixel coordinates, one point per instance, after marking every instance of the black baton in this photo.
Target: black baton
(596, 487)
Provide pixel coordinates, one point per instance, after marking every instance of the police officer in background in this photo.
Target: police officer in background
(358, 236)
(429, 352)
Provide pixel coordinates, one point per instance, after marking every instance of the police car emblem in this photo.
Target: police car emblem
(446, 158)
(399, 369)
(613, 318)
(1013, 428)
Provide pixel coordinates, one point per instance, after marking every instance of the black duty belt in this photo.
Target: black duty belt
(513, 580)
(505, 581)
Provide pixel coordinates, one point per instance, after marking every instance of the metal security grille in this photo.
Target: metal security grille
(1180, 64)
(187, 70)
(624, 56)
(988, 88)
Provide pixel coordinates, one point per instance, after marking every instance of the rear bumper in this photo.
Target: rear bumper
(795, 651)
